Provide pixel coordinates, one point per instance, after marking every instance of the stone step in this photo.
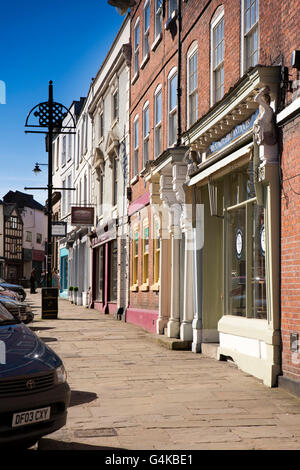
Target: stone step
(210, 350)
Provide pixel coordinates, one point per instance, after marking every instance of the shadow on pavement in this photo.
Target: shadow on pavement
(78, 397)
(40, 328)
(47, 340)
(51, 444)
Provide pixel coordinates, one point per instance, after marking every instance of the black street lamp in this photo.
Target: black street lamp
(37, 169)
(50, 115)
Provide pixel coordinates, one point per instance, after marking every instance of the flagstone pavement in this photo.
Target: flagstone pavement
(131, 393)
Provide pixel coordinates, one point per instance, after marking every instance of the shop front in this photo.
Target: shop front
(64, 272)
(236, 269)
(105, 269)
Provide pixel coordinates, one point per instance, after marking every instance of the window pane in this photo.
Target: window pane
(157, 141)
(158, 108)
(237, 262)
(172, 128)
(136, 162)
(193, 108)
(99, 273)
(136, 134)
(258, 268)
(146, 17)
(173, 92)
(158, 17)
(113, 271)
(146, 122)
(146, 237)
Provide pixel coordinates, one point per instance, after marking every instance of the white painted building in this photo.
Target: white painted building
(109, 111)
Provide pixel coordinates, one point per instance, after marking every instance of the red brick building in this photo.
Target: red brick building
(197, 71)
(288, 121)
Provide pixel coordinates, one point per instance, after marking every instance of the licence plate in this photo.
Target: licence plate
(29, 417)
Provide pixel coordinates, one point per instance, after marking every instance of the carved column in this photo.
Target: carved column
(268, 195)
(166, 197)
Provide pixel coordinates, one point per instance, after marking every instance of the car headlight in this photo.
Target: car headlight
(61, 375)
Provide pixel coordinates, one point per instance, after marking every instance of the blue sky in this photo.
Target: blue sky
(64, 41)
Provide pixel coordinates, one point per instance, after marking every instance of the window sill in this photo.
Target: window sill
(171, 20)
(134, 179)
(155, 287)
(144, 287)
(135, 77)
(134, 288)
(156, 42)
(145, 60)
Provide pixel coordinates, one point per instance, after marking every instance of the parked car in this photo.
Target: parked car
(14, 287)
(34, 393)
(9, 293)
(19, 309)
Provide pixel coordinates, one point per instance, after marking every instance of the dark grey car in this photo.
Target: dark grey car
(34, 394)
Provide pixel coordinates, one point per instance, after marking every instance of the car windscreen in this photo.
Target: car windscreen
(6, 317)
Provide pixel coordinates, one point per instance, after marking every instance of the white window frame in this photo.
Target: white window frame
(146, 30)
(70, 138)
(172, 6)
(245, 35)
(172, 113)
(158, 18)
(216, 19)
(78, 148)
(101, 125)
(69, 193)
(157, 122)
(86, 121)
(146, 133)
(135, 163)
(193, 51)
(115, 104)
(64, 150)
(115, 182)
(63, 196)
(136, 47)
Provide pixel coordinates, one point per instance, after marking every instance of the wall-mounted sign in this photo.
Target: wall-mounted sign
(239, 130)
(82, 216)
(59, 229)
(239, 242)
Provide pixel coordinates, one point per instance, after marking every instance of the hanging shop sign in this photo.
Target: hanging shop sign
(82, 216)
(59, 229)
(239, 242)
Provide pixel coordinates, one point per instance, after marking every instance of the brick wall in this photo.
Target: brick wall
(278, 36)
(290, 246)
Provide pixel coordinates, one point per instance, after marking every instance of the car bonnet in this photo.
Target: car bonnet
(25, 353)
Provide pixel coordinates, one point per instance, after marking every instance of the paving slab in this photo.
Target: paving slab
(130, 391)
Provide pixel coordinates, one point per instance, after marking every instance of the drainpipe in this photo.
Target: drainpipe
(179, 75)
